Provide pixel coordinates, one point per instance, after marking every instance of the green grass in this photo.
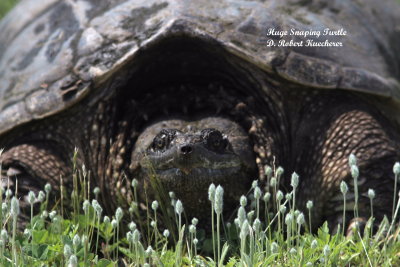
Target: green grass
(257, 237)
(5, 6)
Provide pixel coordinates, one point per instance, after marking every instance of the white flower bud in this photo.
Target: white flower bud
(73, 261)
(166, 233)
(257, 193)
(134, 183)
(300, 219)
(267, 171)
(192, 229)
(136, 236)
(47, 188)
(132, 226)
(296, 213)
(267, 196)
(44, 215)
(195, 221)
(396, 168)
(344, 188)
(96, 191)
(148, 251)
(219, 200)
(256, 225)
(52, 214)
(243, 201)
(371, 193)
(14, 211)
(288, 219)
(31, 197)
(352, 160)
(114, 223)
(354, 171)
(154, 205)
(129, 237)
(274, 248)
(250, 215)
(279, 195)
(85, 206)
(9, 193)
(309, 205)
(178, 207)
(118, 214)
(294, 182)
(4, 235)
(241, 216)
(282, 209)
(41, 196)
(279, 171)
(211, 192)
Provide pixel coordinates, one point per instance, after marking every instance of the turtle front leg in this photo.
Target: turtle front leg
(30, 166)
(340, 131)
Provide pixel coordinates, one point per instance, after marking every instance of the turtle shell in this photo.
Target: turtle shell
(54, 54)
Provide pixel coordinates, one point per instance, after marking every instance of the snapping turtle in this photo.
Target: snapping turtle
(201, 92)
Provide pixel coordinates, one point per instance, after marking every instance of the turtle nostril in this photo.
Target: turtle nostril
(187, 149)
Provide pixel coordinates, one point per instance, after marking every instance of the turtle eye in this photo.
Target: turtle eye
(160, 142)
(163, 139)
(214, 139)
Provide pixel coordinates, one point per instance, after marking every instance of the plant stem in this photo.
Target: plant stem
(14, 246)
(344, 212)
(394, 195)
(218, 239)
(212, 228)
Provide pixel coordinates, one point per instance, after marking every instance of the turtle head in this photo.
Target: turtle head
(187, 156)
(207, 152)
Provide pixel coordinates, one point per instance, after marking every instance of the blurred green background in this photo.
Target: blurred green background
(6, 5)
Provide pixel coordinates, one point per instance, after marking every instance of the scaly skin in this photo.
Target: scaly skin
(314, 137)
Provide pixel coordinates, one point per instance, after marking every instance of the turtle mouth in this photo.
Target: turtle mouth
(195, 179)
(201, 174)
